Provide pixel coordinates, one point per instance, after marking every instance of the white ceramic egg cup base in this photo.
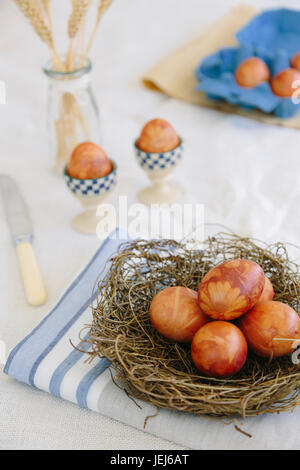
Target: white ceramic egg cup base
(161, 191)
(87, 221)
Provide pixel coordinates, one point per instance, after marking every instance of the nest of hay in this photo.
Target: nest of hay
(161, 372)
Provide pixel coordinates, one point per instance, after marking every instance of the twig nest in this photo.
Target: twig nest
(282, 82)
(89, 161)
(162, 372)
(158, 136)
(251, 72)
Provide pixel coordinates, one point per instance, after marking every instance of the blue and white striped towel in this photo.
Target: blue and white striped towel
(45, 358)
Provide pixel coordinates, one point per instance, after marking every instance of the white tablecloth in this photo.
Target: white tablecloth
(245, 173)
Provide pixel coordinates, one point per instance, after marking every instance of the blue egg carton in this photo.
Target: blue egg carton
(273, 36)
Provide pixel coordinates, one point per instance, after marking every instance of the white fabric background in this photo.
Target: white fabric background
(246, 173)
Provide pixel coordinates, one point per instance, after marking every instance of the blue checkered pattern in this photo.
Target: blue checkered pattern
(89, 187)
(159, 161)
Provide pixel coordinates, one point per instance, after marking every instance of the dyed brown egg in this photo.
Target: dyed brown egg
(89, 161)
(282, 83)
(219, 349)
(267, 321)
(295, 61)
(158, 136)
(175, 313)
(268, 291)
(251, 72)
(231, 289)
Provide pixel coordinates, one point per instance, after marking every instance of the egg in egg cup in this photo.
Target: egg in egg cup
(158, 151)
(91, 193)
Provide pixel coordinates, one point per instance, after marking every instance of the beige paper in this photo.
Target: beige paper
(175, 76)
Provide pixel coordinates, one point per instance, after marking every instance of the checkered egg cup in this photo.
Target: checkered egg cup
(92, 187)
(159, 162)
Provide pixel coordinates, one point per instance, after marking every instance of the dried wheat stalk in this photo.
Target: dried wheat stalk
(31, 9)
(81, 37)
(38, 12)
(47, 8)
(57, 63)
(102, 7)
(79, 10)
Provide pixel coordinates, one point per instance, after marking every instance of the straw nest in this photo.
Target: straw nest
(162, 373)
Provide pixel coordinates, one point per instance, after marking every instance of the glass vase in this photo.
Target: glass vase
(72, 114)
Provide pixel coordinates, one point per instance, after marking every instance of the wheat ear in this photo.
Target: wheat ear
(31, 9)
(79, 10)
(33, 12)
(102, 7)
(57, 63)
(81, 37)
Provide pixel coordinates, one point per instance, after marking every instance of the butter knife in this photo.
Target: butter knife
(21, 230)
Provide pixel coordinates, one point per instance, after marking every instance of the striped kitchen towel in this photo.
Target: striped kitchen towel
(46, 359)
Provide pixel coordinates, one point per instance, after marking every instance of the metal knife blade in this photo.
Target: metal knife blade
(21, 230)
(16, 210)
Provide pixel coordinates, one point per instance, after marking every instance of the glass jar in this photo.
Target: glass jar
(72, 115)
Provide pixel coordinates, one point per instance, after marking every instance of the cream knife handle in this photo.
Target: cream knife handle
(34, 287)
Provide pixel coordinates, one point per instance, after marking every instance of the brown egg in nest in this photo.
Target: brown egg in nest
(230, 289)
(176, 314)
(268, 327)
(219, 349)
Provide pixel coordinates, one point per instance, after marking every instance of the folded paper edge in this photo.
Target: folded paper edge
(150, 79)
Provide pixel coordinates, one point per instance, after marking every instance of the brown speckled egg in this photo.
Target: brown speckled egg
(158, 136)
(282, 82)
(231, 289)
(89, 161)
(295, 61)
(267, 321)
(176, 314)
(251, 72)
(268, 291)
(219, 349)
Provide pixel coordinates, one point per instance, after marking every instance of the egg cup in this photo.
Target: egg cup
(159, 168)
(91, 193)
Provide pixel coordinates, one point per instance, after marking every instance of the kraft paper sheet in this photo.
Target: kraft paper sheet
(175, 76)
